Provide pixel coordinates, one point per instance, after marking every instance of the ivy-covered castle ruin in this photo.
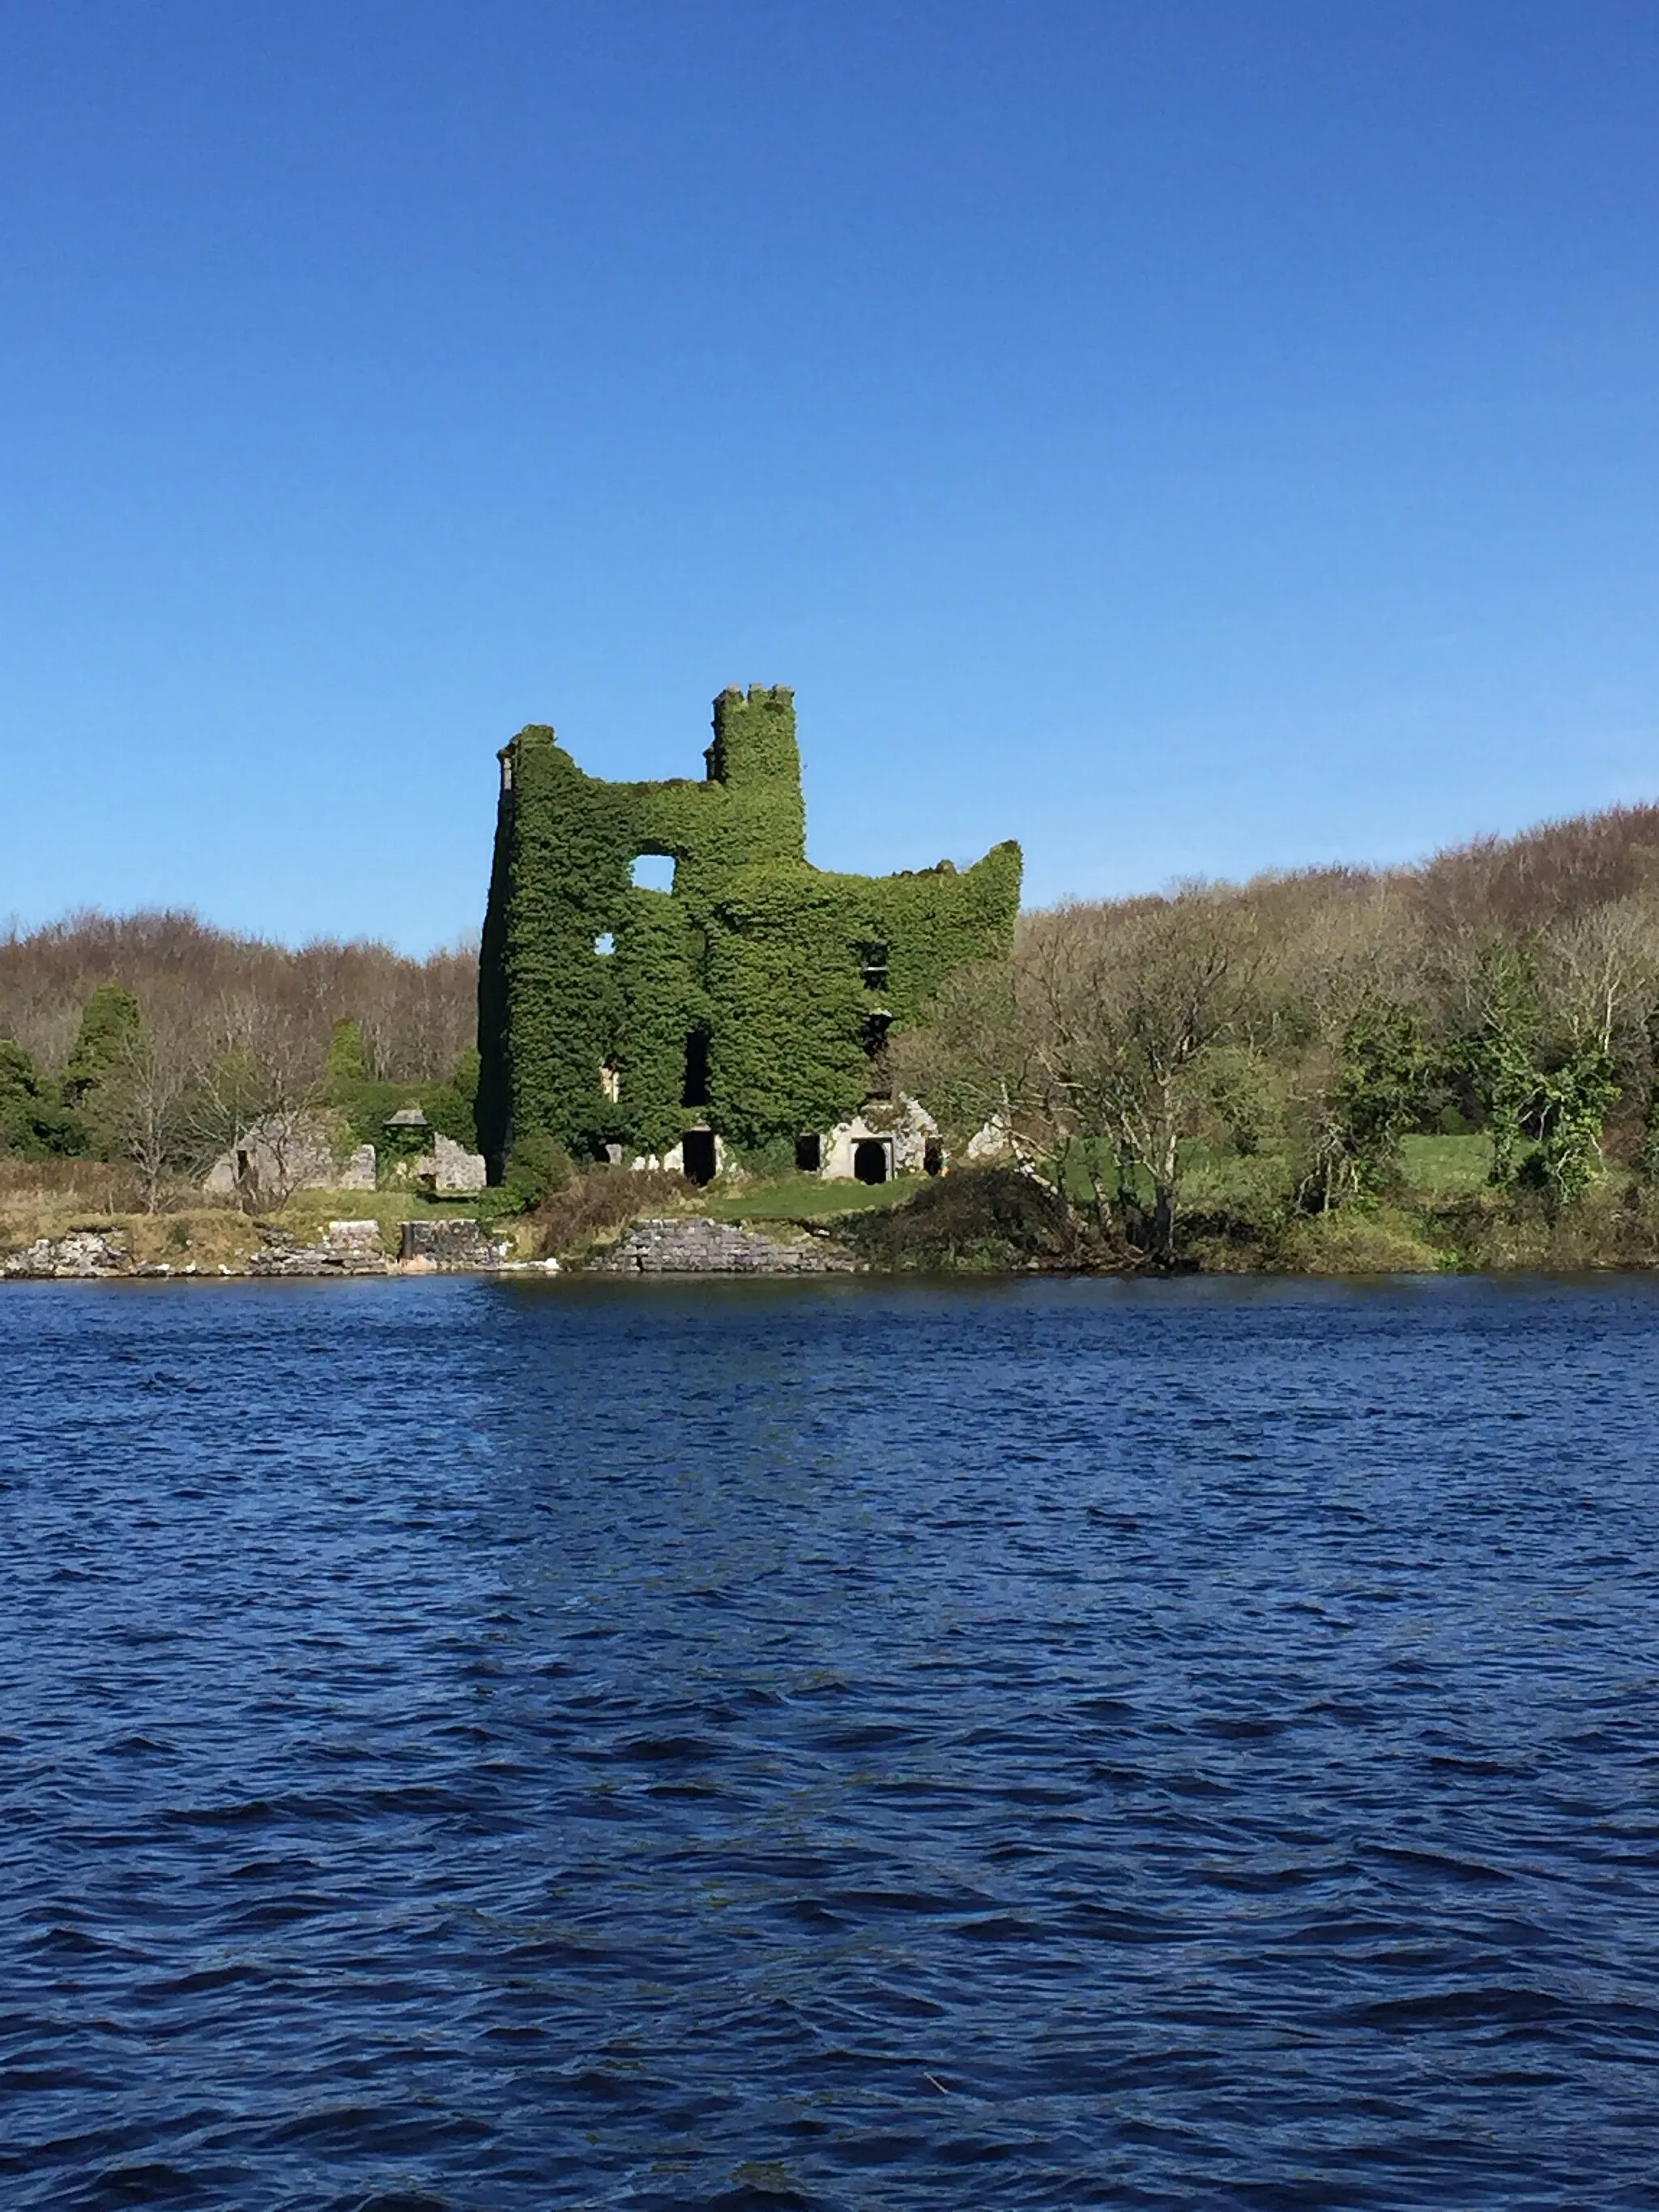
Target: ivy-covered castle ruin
(752, 1002)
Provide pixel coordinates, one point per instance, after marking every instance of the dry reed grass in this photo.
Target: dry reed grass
(42, 1198)
(599, 1203)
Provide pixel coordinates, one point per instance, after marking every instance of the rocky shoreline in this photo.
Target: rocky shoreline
(691, 1245)
(345, 1247)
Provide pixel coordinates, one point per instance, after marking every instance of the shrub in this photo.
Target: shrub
(1355, 1239)
(539, 1166)
(601, 1201)
(450, 1107)
(977, 1220)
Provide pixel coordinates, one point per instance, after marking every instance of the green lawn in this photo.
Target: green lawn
(797, 1197)
(1438, 1166)
(1446, 1164)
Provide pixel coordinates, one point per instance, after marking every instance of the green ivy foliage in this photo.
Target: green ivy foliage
(1379, 1094)
(1570, 1107)
(451, 1107)
(1560, 1096)
(1497, 1057)
(588, 984)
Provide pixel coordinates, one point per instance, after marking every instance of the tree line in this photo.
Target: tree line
(155, 1040)
(1183, 1067)
(1302, 1026)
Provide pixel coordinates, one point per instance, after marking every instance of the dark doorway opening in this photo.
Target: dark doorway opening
(932, 1157)
(870, 1160)
(694, 1092)
(809, 1154)
(697, 1154)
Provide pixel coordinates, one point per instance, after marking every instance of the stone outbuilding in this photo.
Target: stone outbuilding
(875, 1145)
(283, 1153)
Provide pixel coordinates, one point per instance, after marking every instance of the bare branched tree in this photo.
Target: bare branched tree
(144, 1104)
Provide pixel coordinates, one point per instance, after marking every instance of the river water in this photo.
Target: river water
(829, 1744)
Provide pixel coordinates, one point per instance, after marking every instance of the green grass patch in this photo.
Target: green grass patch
(1073, 1173)
(1446, 1164)
(803, 1197)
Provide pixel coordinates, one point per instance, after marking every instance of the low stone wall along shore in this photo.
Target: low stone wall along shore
(695, 1246)
(344, 1247)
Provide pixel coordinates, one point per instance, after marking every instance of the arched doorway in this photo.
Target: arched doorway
(872, 1159)
(698, 1155)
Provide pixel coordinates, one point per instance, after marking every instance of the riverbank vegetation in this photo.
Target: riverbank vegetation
(1452, 1066)
(1340, 1070)
(151, 1042)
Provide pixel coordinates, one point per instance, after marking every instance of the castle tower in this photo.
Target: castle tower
(750, 1002)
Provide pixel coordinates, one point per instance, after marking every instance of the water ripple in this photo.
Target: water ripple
(828, 1744)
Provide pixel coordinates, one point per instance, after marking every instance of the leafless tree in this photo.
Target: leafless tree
(418, 1016)
(142, 1105)
(1138, 1009)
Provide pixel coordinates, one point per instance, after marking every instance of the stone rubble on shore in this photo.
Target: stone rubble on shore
(347, 1248)
(82, 1252)
(690, 1245)
(694, 1245)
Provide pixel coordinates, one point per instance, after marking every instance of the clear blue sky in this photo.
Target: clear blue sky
(1190, 435)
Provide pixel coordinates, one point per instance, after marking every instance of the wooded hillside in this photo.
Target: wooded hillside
(1225, 1061)
(1207, 1071)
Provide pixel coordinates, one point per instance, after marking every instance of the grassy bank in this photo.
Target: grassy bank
(808, 1198)
(1239, 1217)
(51, 1199)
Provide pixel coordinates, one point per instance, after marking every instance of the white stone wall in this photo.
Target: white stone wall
(449, 1171)
(907, 1130)
(673, 1161)
(284, 1153)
